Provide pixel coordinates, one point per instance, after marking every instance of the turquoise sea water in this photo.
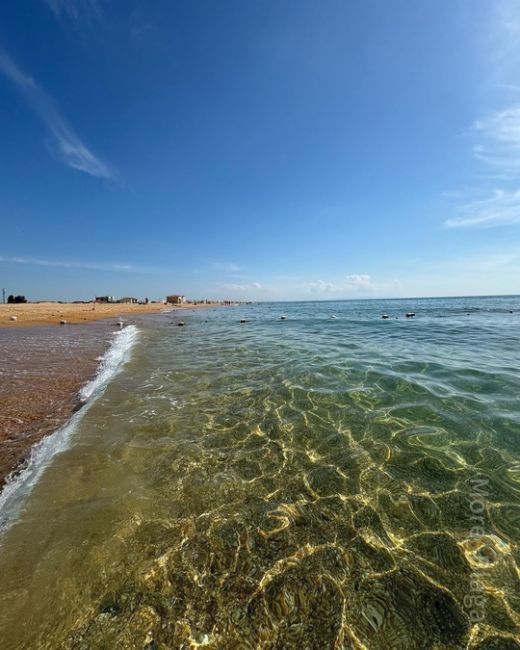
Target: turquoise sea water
(332, 480)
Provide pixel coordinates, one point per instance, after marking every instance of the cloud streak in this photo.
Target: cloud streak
(353, 283)
(66, 144)
(242, 288)
(501, 208)
(500, 146)
(74, 9)
(497, 136)
(499, 152)
(227, 267)
(92, 266)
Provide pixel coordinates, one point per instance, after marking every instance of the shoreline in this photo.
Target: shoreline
(41, 379)
(51, 313)
(15, 485)
(47, 366)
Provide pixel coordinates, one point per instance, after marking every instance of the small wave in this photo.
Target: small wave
(19, 483)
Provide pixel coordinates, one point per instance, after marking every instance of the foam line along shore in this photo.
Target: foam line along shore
(20, 482)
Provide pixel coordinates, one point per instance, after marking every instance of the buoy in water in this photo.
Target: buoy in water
(244, 320)
(283, 317)
(180, 323)
(385, 316)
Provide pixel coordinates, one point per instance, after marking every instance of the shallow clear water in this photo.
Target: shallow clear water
(314, 482)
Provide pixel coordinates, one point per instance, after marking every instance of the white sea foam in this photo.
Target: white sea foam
(20, 483)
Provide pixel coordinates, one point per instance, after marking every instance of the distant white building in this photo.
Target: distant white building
(175, 299)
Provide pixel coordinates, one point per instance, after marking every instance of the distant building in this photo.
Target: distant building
(128, 300)
(105, 299)
(175, 300)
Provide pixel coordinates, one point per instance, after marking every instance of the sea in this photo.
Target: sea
(280, 475)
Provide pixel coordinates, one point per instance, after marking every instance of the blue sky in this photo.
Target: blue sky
(282, 149)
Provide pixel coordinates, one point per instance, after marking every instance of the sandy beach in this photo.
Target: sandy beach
(49, 313)
(42, 372)
(44, 367)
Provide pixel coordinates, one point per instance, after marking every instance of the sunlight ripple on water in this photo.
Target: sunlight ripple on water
(311, 482)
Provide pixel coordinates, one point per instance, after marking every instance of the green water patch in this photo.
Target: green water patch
(266, 488)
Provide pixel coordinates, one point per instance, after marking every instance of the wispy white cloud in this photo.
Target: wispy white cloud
(321, 286)
(354, 285)
(241, 288)
(498, 150)
(66, 144)
(496, 136)
(75, 9)
(92, 266)
(356, 282)
(227, 267)
(499, 143)
(503, 126)
(505, 41)
(501, 208)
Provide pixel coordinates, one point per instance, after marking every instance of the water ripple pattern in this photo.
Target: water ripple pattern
(330, 480)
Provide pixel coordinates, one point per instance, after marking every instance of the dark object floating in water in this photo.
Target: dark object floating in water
(385, 316)
(180, 323)
(244, 320)
(410, 314)
(283, 317)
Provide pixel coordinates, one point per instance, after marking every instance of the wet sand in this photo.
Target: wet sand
(44, 366)
(42, 371)
(51, 313)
